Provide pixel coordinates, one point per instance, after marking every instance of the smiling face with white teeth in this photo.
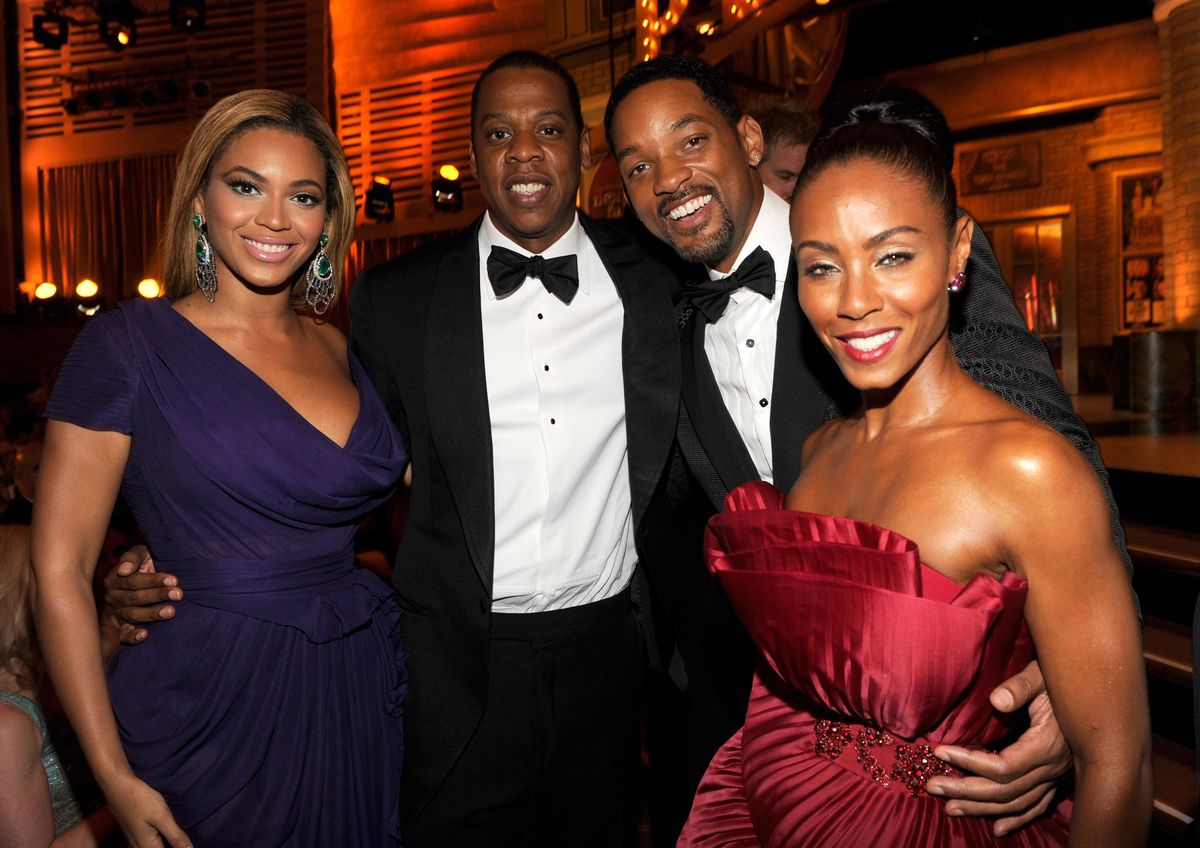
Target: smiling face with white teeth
(687, 171)
(874, 259)
(527, 152)
(264, 207)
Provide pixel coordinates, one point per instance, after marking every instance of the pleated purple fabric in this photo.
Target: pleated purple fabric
(268, 711)
(854, 629)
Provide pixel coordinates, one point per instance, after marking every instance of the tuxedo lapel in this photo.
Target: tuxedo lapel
(718, 435)
(649, 359)
(456, 397)
(797, 400)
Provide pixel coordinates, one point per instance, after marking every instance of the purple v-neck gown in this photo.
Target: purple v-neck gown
(267, 711)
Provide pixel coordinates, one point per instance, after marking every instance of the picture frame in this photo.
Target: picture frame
(1140, 246)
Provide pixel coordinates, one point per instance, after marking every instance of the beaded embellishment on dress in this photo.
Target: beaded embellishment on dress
(911, 766)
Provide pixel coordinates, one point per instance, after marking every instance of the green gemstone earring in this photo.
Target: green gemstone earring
(206, 277)
(318, 293)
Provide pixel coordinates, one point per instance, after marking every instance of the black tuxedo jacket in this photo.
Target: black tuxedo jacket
(416, 326)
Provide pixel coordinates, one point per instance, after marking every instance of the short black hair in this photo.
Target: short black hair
(784, 120)
(708, 79)
(894, 126)
(530, 59)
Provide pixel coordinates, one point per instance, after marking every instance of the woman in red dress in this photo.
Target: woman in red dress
(882, 644)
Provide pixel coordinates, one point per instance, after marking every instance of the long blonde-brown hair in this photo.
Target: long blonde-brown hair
(18, 653)
(229, 118)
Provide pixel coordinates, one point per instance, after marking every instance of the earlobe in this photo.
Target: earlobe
(471, 159)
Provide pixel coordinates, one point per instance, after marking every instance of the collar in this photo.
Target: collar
(573, 241)
(769, 231)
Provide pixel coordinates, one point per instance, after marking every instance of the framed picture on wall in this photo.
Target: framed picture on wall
(1141, 246)
(1141, 211)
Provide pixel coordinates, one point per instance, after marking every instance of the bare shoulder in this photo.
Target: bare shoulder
(1043, 496)
(1025, 454)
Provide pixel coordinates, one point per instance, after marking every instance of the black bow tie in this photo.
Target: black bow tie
(757, 272)
(508, 269)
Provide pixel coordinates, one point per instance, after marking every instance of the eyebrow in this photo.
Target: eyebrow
(672, 127)
(873, 241)
(257, 176)
(815, 245)
(544, 113)
(876, 240)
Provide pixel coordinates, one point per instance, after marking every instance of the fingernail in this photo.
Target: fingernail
(1005, 699)
(166, 612)
(1001, 830)
(170, 581)
(174, 594)
(139, 636)
(954, 812)
(934, 790)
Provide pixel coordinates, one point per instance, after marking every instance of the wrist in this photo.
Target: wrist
(113, 777)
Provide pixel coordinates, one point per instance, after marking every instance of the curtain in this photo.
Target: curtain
(103, 221)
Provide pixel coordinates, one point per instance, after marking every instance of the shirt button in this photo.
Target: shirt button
(749, 342)
(539, 316)
(763, 401)
(546, 367)
(551, 420)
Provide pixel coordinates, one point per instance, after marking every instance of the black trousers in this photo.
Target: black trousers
(554, 761)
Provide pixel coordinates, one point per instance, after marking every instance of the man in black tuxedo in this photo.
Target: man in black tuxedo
(532, 365)
(756, 383)
(538, 398)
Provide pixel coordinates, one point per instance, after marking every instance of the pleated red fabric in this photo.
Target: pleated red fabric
(854, 630)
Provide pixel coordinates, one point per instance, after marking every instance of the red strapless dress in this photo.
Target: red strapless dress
(870, 657)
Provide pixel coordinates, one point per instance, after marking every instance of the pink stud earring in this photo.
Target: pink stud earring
(956, 285)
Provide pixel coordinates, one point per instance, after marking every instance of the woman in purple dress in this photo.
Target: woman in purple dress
(247, 440)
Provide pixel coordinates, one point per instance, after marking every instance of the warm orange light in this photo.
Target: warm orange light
(149, 287)
(384, 181)
(123, 38)
(448, 172)
(45, 291)
(822, 2)
(86, 288)
(658, 24)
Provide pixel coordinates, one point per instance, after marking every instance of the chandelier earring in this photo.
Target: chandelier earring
(318, 293)
(206, 275)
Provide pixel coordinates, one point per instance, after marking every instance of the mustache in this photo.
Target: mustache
(669, 203)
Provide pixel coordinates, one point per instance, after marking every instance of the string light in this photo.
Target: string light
(149, 287)
(45, 291)
(657, 26)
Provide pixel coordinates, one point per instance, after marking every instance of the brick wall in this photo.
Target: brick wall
(1090, 190)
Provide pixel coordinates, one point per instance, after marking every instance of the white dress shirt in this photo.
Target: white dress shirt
(556, 397)
(741, 345)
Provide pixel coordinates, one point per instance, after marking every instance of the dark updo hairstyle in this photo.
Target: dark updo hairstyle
(895, 127)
